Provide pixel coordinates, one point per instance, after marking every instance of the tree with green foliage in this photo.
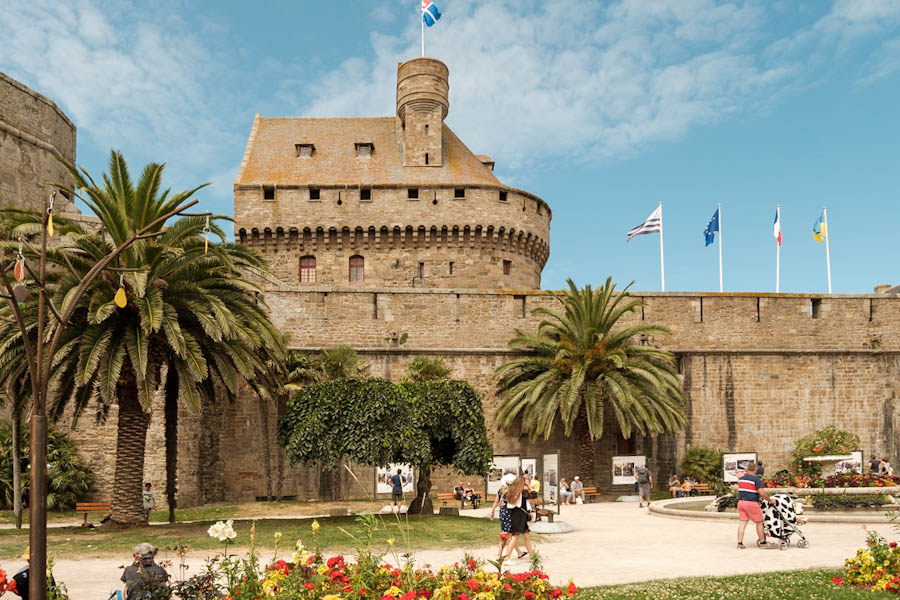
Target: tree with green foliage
(582, 363)
(191, 315)
(427, 368)
(68, 477)
(375, 422)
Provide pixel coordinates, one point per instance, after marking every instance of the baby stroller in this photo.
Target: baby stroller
(781, 521)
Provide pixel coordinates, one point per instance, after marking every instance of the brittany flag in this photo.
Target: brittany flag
(777, 227)
(430, 12)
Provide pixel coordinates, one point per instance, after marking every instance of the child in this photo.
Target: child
(148, 499)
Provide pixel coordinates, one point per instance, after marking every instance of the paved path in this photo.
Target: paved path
(612, 543)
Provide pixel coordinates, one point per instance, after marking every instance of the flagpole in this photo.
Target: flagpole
(827, 249)
(778, 253)
(662, 257)
(422, 20)
(719, 212)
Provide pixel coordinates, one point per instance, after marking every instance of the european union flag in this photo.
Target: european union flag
(712, 228)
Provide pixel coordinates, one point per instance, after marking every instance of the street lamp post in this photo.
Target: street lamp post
(40, 357)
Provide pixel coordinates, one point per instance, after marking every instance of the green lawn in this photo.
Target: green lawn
(814, 584)
(224, 511)
(335, 535)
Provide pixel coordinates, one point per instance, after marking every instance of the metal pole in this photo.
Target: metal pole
(662, 258)
(778, 253)
(422, 19)
(721, 229)
(827, 249)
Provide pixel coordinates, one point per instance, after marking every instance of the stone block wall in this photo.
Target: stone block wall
(476, 232)
(33, 131)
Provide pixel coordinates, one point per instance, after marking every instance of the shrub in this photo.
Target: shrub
(69, 478)
(842, 501)
(830, 440)
(877, 566)
(703, 464)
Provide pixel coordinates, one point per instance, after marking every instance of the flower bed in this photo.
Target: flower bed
(307, 575)
(845, 502)
(875, 567)
(841, 480)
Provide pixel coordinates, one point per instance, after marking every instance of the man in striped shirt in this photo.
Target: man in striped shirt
(750, 490)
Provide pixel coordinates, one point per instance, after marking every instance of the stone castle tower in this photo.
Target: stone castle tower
(388, 201)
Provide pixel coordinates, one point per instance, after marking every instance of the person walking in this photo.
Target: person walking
(644, 479)
(519, 507)
(144, 578)
(397, 483)
(505, 520)
(750, 491)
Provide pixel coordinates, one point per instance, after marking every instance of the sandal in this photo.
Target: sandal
(760, 544)
(741, 546)
(523, 554)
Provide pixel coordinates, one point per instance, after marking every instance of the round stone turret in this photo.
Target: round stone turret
(423, 86)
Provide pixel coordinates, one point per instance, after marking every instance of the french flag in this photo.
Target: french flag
(430, 12)
(777, 227)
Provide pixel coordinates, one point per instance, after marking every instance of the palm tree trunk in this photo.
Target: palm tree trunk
(17, 465)
(421, 504)
(281, 403)
(171, 417)
(267, 450)
(586, 448)
(126, 505)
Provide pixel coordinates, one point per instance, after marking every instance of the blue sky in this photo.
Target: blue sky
(603, 109)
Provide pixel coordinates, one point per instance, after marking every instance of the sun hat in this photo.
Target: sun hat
(576, 477)
(509, 479)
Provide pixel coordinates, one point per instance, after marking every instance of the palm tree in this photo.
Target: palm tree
(191, 314)
(426, 368)
(579, 365)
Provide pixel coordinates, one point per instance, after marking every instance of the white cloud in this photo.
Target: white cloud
(530, 81)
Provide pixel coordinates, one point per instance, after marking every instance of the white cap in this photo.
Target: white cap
(509, 479)
(576, 477)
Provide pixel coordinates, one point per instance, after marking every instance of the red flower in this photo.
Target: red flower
(309, 586)
(471, 565)
(387, 597)
(410, 595)
(556, 593)
(572, 589)
(837, 580)
(462, 596)
(529, 595)
(893, 544)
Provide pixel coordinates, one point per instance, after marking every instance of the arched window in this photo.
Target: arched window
(307, 269)
(357, 268)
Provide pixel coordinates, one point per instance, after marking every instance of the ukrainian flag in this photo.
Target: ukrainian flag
(820, 229)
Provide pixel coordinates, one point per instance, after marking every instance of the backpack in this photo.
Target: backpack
(643, 476)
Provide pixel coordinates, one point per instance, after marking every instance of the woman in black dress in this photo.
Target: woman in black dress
(505, 521)
(519, 507)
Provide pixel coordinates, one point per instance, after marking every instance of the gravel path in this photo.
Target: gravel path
(612, 543)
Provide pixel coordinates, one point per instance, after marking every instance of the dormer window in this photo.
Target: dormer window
(304, 150)
(364, 149)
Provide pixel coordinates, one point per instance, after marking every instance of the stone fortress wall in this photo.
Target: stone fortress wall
(33, 132)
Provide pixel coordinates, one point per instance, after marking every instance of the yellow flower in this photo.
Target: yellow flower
(277, 536)
(315, 526)
(299, 544)
(390, 542)
(332, 597)
(322, 569)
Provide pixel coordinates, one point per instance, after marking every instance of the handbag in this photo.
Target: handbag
(579, 500)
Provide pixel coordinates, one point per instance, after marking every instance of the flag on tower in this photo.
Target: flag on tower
(777, 227)
(430, 12)
(712, 228)
(820, 229)
(653, 224)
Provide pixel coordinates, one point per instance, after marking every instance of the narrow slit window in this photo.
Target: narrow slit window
(503, 196)
(426, 158)
(451, 267)
(421, 270)
(507, 267)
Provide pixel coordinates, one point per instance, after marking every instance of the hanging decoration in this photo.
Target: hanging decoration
(50, 215)
(206, 231)
(19, 268)
(120, 298)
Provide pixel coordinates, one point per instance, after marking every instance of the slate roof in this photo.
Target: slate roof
(271, 157)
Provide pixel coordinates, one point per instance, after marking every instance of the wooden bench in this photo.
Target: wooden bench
(703, 489)
(591, 492)
(445, 497)
(545, 512)
(95, 507)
